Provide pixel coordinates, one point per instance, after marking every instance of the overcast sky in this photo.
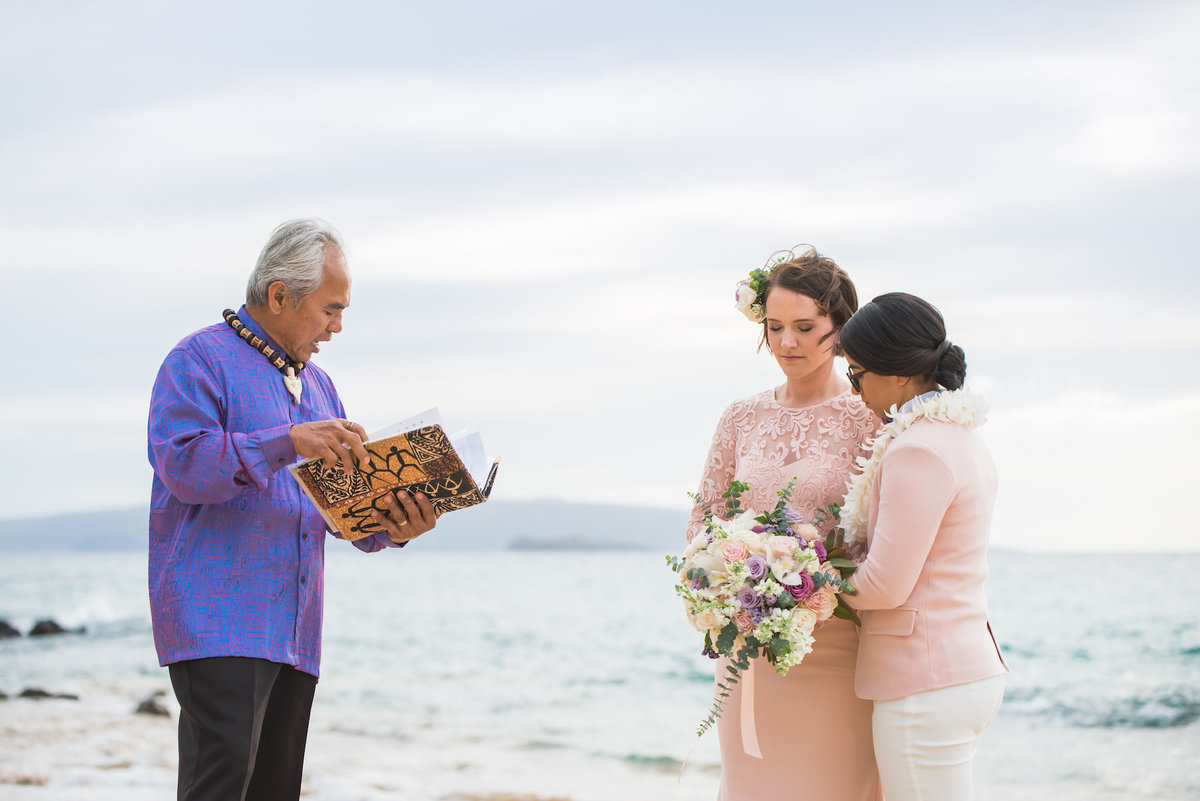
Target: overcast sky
(547, 206)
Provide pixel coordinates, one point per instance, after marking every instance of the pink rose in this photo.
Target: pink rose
(744, 621)
(808, 531)
(781, 547)
(822, 603)
(733, 551)
(831, 571)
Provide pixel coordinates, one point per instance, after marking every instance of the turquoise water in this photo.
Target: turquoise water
(585, 656)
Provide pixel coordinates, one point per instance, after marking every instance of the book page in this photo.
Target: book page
(469, 445)
(429, 417)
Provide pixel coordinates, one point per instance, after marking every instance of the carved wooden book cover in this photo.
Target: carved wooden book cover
(422, 460)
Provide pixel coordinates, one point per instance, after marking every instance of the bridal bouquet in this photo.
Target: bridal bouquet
(758, 584)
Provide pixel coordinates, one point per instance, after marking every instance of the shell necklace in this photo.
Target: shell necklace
(957, 406)
(289, 368)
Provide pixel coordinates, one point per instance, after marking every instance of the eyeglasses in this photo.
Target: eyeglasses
(855, 379)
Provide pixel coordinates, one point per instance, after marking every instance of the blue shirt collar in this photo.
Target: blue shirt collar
(253, 326)
(911, 402)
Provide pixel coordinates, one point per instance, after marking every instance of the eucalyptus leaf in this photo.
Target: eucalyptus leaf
(726, 637)
(846, 613)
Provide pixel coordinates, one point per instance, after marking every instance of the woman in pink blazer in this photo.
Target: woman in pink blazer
(922, 508)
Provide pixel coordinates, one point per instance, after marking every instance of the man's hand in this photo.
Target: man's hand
(406, 518)
(331, 441)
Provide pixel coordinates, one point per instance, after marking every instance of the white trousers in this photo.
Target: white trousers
(924, 743)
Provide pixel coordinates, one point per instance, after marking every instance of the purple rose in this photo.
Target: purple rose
(802, 590)
(760, 528)
(792, 517)
(748, 597)
(822, 554)
(756, 566)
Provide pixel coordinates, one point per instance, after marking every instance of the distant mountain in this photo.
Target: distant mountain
(493, 526)
(101, 530)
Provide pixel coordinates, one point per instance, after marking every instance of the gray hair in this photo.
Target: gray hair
(295, 255)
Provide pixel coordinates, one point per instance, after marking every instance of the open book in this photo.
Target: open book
(414, 455)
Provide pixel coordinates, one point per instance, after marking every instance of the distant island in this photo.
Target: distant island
(571, 544)
(493, 526)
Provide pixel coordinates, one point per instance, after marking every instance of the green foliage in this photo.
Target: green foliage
(846, 613)
(747, 652)
(780, 647)
(726, 637)
(706, 508)
(733, 497)
(785, 495)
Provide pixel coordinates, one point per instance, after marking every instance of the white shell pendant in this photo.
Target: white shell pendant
(292, 382)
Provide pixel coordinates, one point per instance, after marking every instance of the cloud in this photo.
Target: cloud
(1073, 321)
(545, 232)
(1090, 471)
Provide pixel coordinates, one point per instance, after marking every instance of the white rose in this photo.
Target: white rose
(705, 621)
(752, 542)
(748, 303)
(710, 563)
(742, 523)
(804, 619)
(745, 297)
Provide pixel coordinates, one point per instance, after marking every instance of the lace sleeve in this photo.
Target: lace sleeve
(719, 470)
(866, 426)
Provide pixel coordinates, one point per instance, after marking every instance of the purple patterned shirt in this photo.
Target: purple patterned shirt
(236, 550)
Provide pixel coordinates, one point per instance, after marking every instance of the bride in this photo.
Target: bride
(810, 428)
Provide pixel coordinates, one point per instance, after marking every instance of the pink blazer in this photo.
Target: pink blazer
(920, 590)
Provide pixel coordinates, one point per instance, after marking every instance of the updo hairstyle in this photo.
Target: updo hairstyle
(817, 277)
(900, 334)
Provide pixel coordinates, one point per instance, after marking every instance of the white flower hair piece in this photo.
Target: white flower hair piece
(748, 297)
(956, 406)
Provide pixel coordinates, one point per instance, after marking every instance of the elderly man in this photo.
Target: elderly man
(236, 549)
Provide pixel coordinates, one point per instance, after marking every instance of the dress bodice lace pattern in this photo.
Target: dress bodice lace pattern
(766, 445)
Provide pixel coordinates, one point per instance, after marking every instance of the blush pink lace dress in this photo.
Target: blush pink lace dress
(813, 733)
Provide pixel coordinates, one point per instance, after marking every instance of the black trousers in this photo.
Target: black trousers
(243, 725)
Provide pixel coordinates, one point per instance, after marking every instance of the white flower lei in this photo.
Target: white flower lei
(957, 406)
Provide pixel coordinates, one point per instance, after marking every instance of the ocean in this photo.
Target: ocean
(573, 675)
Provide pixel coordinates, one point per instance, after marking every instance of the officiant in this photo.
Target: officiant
(236, 549)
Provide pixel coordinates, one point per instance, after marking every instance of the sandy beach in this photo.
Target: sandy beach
(97, 748)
